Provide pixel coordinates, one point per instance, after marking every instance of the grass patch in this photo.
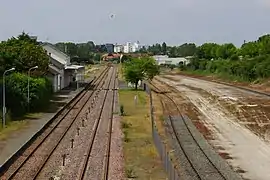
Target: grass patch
(121, 72)
(12, 127)
(141, 158)
(15, 125)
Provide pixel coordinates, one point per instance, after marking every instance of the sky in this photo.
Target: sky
(148, 21)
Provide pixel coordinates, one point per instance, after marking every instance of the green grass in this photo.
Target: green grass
(120, 72)
(141, 158)
(12, 127)
(16, 125)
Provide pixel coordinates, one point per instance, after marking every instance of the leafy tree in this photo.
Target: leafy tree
(250, 49)
(172, 51)
(164, 48)
(138, 69)
(226, 51)
(155, 49)
(23, 53)
(143, 50)
(208, 51)
(187, 49)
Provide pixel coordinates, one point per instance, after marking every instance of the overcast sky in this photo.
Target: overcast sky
(149, 21)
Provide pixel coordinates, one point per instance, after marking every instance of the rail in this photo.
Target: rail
(185, 145)
(82, 174)
(70, 106)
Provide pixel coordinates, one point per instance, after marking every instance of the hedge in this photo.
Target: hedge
(247, 69)
(16, 93)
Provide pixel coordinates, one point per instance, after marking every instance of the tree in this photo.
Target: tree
(164, 48)
(155, 49)
(250, 49)
(207, 51)
(138, 69)
(226, 51)
(23, 53)
(187, 49)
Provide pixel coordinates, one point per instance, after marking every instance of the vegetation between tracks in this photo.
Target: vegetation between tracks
(141, 158)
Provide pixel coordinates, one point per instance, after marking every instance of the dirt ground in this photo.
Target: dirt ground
(235, 122)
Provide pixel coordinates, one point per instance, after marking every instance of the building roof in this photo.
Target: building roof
(54, 70)
(55, 48)
(56, 54)
(73, 67)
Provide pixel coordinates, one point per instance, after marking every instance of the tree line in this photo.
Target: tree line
(250, 62)
(82, 52)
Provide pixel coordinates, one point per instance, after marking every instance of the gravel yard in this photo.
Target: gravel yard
(235, 122)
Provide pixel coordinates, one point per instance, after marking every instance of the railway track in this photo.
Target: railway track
(198, 164)
(98, 153)
(31, 162)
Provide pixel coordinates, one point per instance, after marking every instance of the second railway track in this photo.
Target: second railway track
(57, 152)
(198, 164)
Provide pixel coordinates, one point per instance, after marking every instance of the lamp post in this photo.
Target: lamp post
(76, 78)
(4, 96)
(28, 86)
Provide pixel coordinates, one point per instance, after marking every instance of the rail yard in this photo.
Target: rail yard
(233, 120)
(215, 132)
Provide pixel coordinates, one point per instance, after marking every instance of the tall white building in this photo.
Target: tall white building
(128, 47)
(118, 48)
(136, 47)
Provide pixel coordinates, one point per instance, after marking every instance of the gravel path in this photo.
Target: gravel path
(116, 171)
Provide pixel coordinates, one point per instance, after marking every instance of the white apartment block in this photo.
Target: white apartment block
(127, 48)
(118, 48)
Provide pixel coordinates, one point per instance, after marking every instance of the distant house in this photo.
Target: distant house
(61, 71)
(166, 60)
(107, 57)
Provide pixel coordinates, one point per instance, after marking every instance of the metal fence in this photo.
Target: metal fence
(164, 153)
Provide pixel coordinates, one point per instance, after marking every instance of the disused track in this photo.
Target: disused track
(58, 128)
(200, 166)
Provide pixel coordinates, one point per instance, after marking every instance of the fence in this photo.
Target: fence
(164, 153)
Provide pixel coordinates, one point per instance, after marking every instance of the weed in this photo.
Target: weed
(122, 112)
(125, 125)
(162, 118)
(126, 139)
(130, 173)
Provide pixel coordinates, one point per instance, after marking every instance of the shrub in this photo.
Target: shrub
(16, 93)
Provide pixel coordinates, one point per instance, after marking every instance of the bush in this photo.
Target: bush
(16, 93)
(247, 69)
